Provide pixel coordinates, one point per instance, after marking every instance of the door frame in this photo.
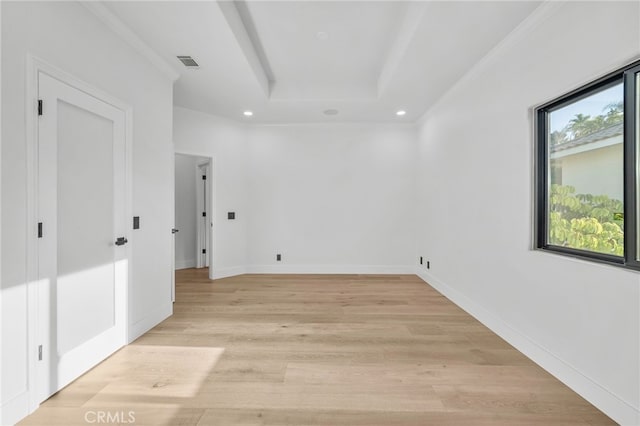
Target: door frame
(34, 67)
(211, 202)
(173, 234)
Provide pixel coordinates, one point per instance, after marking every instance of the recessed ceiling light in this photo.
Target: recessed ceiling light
(330, 112)
(248, 113)
(322, 35)
(401, 113)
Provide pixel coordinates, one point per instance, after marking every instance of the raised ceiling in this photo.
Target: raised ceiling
(318, 50)
(290, 61)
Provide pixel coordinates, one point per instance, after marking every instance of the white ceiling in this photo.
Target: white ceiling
(289, 61)
(324, 50)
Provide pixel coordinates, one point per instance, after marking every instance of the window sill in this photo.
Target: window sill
(587, 258)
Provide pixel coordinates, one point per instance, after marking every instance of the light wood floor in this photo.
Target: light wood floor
(317, 350)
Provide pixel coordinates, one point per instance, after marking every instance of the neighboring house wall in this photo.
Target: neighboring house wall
(596, 172)
(185, 239)
(68, 36)
(579, 320)
(593, 164)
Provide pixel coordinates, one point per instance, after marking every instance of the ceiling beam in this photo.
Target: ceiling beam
(239, 19)
(406, 32)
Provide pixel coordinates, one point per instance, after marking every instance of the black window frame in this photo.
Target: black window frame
(631, 164)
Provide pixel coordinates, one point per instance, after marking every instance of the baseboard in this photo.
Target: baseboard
(311, 269)
(615, 407)
(147, 323)
(227, 272)
(184, 264)
(330, 269)
(15, 409)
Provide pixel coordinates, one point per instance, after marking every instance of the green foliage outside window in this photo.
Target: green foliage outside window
(585, 221)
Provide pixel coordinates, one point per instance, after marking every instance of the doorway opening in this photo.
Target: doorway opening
(193, 211)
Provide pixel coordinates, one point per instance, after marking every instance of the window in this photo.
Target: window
(588, 172)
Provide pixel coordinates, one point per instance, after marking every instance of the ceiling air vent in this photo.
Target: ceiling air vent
(188, 62)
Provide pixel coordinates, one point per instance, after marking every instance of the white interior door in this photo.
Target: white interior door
(82, 208)
(202, 219)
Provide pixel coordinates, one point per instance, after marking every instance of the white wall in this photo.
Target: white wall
(579, 320)
(225, 142)
(68, 36)
(331, 198)
(185, 239)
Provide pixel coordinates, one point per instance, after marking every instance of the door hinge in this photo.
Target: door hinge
(39, 229)
(204, 177)
(204, 251)
(39, 106)
(204, 214)
(40, 353)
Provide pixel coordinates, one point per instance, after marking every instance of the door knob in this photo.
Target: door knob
(174, 230)
(121, 241)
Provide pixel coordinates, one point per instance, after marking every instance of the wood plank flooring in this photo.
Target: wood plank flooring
(316, 350)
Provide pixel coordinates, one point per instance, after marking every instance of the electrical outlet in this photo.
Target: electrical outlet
(428, 265)
(278, 257)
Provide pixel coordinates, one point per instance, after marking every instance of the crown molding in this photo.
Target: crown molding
(130, 37)
(539, 15)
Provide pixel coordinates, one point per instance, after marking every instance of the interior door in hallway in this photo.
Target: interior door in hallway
(82, 259)
(203, 221)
